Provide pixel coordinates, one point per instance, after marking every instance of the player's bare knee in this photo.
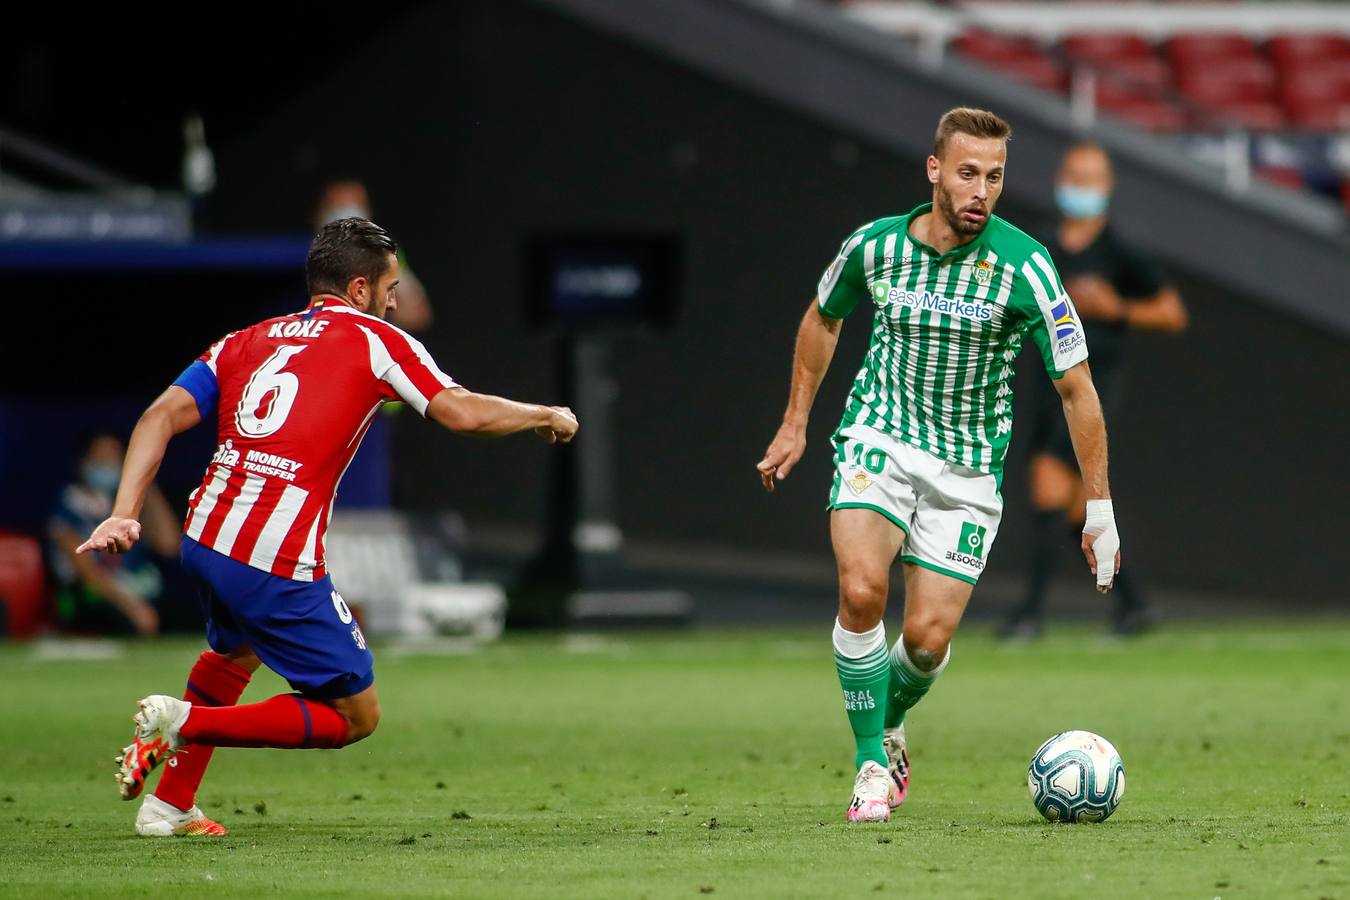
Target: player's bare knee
(926, 647)
(362, 721)
(925, 659)
(862, 601)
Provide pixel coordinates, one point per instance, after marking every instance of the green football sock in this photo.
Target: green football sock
(864, 672)
(907, 683)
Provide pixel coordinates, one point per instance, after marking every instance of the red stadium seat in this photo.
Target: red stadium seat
(1225, 80)
(1316, 94)
(1104, 46)
(1320, 115)
(1184, 49)
(1121, 81)
(986, 46)
(23, 582)
(1327, 79)
(1252, 115)
(1043, 73)
(1147, 113)
(1021, 57)
(1291, 49)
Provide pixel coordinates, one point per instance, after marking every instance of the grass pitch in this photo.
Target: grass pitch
(690, 765)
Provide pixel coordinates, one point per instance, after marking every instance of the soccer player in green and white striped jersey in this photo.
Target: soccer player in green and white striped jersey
(919, 454)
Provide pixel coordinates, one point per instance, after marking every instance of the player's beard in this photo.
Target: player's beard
(947, 207)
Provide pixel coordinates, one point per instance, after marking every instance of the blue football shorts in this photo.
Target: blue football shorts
(302, 630)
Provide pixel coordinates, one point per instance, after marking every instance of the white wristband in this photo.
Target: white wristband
(1100, 523)
(1100, 516)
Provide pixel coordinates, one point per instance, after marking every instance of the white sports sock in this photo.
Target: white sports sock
(855, 644)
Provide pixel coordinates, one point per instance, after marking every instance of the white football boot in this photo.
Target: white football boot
(156, 738)
(159, 819)
(872, 792)
(898, 754)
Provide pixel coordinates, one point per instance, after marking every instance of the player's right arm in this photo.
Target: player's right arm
(464, 412)
(174, 411)
(817, 337)
(840, 289)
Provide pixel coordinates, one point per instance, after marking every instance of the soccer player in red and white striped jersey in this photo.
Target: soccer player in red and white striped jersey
(292, 397)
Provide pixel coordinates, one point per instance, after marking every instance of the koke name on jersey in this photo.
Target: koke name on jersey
(310, 328)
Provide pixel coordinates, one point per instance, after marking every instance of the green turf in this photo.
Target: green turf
(714, 764)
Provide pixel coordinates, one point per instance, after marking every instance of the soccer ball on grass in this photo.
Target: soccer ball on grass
(1076, 776)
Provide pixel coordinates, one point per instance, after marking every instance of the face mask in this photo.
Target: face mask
(1080, 202)
(345, 212)
(102, 477)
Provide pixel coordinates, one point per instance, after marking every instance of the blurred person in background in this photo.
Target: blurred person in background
(369, 482)
(107, 594)
(1116, 289)
(348, 198)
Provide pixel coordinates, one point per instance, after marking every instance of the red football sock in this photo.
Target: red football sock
(287, 721)
(214, 681)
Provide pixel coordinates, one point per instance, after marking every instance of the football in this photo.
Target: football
(1076, 776)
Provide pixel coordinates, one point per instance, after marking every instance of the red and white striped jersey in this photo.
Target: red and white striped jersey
(295, 396)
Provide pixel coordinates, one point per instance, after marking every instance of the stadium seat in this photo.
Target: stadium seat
(987, 46)
(1123, 80)
(1252, 115)
(1227, 80)
(1103, 47)
(1021, 57)
(1148, 113)
(1197, 47)
(1046, 73)
(23, 582)
(1322, 115)
(1316, 94)
(1291, 49)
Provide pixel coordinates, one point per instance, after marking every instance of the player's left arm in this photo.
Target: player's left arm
(1087, 428)
(406, 369)
(173, 412)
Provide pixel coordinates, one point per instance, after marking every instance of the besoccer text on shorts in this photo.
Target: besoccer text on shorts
(292, 398)
(919, 452)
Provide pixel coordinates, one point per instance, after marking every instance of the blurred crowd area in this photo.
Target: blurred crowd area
(1272, 76)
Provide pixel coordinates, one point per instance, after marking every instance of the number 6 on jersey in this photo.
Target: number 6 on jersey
(269, 395)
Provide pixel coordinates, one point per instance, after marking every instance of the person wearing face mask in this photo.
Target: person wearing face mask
(106, 594)
(1116, 290)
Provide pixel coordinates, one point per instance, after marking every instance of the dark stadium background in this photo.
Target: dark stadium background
(477, 126)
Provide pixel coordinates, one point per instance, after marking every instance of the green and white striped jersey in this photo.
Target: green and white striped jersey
(945, 332)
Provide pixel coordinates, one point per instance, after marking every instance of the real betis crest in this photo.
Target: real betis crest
(983, 272)
(881, 293)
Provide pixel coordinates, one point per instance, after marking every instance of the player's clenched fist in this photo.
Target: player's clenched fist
(113, 535)
(783, 453)
(562, 426)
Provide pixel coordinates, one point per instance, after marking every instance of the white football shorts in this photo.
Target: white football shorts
(949, 513)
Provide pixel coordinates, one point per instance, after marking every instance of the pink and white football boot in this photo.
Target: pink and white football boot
(872, 794)
(898, 754)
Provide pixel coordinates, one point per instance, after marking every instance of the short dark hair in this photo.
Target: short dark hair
(980, 123)
(345, 249)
